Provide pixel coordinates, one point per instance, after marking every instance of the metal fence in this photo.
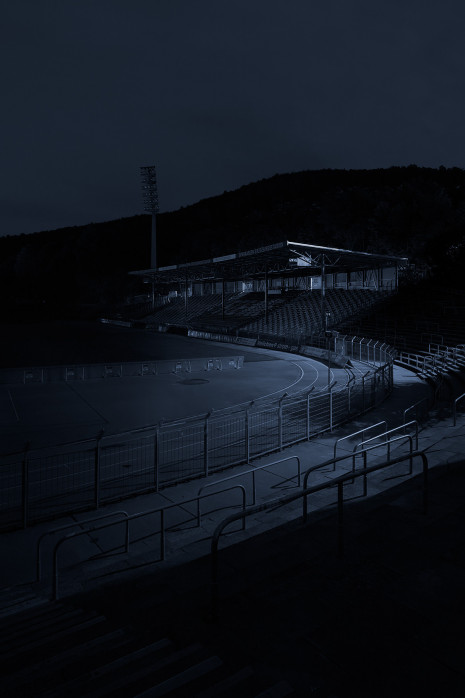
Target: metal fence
(48, 483)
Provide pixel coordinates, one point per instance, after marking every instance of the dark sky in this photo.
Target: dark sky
(216, 94)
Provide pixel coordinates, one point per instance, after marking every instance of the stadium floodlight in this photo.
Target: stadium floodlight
(150, 197)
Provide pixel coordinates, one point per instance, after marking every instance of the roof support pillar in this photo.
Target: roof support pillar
(266, 295)
(186, 302)
(323, 292)
(222, 299)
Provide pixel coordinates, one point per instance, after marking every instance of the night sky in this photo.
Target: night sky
(216, 94)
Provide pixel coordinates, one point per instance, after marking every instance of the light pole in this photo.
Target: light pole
(150, 196)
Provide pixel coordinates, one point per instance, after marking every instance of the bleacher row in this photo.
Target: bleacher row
(413, 318)
(289, 312)
(303, 314)
(408, 320)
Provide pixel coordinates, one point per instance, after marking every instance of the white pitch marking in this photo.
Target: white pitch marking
(13, 406)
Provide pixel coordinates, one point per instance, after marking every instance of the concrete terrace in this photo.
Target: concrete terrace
(384, 619)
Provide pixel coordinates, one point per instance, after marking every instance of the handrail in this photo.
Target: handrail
(415, 404)
(392, 431)
(356, 433)
(253, 470)
(287, 499)
(339, 459)
(63, 528)
(388, 445)
(138, 515)
(362, 453)
(456, 401)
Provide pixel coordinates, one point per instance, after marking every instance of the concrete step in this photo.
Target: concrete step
(68, 662)
(49, 641)
(13, 600)
(184, 679)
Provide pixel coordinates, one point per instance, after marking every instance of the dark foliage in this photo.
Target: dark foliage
(411, 211)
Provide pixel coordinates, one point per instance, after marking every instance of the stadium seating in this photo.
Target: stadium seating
(413, 318)
(302, 314)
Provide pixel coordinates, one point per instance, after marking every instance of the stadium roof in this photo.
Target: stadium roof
(283, 259)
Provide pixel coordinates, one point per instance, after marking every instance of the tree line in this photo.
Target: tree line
(408, 211)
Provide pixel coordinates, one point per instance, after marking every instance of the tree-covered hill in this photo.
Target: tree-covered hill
(411, 211)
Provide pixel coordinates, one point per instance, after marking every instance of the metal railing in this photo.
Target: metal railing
(363, 453)
(252, 472)
(59, 529)
(304, 493)
(392, 431)
(39, 484)
(356, 433)
(454, 407)
(160, 510)
(421, 406)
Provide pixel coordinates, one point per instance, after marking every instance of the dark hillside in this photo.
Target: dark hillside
(412, 211)
(419, 212)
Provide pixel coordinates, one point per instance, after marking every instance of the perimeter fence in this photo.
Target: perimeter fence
(37, 485)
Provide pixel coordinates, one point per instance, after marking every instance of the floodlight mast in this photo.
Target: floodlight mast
(150, 196)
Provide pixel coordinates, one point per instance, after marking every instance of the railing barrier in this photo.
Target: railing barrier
(287, 499)
(356, 433)
(252, 471)
(63, 528)
(166, 451)
(127, 520)
(456, 402)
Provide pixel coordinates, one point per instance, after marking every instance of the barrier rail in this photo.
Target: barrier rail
(126, 521)
(37, 484)
(253, 471)
(454, 409)
(356, 433)
(304, 493)
(331, 461)
(393, 431)
(52, 531)
(423, 403)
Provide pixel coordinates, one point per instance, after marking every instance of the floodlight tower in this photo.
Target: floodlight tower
(150, 196)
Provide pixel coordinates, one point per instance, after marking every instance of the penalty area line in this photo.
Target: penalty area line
(13, 406)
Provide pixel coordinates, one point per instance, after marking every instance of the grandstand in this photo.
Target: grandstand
(415, 317)
(339, 639)
(283, 289)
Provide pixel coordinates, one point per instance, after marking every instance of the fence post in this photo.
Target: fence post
(205, 443)
(162, 534)
(330, 408)
(247, 433)
(308, 416)
(363, 393)
(25, 485)
(155, 457)
(97, 470)
(280, 421)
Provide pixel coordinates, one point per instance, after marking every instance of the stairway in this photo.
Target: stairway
(59, 649)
